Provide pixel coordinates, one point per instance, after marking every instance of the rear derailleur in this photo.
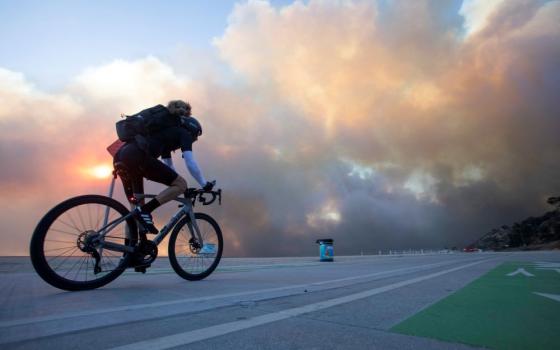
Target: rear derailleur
(86, 243)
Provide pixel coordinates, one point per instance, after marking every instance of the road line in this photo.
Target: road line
(237, 268)
(190, 337)
(31, 320)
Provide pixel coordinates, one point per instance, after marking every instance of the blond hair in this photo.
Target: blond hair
(179, 107)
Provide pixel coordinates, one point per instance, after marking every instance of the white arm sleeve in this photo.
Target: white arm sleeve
(193, 168)
(168, 162)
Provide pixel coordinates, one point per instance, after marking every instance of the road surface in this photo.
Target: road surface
(439, 301)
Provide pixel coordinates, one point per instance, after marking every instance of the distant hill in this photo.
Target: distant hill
(531, 233)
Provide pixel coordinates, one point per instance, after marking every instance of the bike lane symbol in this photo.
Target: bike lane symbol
(520, 271)
(514, 306)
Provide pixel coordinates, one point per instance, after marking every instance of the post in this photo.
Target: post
(106, 218)
(111, 189)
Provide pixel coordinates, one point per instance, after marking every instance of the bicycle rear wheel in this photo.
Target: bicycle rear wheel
(64, 244)
(190, 260)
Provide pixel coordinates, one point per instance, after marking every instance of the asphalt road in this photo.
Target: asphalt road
(281, 303)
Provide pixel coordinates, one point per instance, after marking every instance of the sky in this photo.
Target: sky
(382, 124)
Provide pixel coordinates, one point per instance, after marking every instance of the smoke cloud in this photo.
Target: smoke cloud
(379, 124)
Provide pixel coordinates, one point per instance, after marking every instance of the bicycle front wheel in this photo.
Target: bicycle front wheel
(66, 245)
(189, 259)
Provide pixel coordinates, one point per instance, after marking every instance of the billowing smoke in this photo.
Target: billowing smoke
(381, 125)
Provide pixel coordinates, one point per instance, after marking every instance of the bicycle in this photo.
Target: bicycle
(107, 240)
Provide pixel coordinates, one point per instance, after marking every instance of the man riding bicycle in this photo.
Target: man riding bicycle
(140, 159)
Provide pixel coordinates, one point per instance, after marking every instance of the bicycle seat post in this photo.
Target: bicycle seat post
(112, 185)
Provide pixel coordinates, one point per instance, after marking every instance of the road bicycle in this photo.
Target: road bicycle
(87, 241)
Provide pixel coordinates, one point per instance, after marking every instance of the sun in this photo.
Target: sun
(102, 171)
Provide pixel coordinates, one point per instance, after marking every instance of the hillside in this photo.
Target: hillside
(531, 233)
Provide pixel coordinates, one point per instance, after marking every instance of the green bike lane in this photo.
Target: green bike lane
(514, 306)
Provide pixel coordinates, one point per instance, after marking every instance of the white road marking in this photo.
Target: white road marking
(189, 337)
(547, 264)
(235, 268)
(520, 271)
(550, 296)
(31, 320)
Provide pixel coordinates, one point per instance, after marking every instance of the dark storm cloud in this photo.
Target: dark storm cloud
(460, 131)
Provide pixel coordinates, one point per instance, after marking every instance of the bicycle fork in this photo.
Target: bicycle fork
(186, 210)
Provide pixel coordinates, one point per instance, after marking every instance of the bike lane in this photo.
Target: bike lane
(514, 306)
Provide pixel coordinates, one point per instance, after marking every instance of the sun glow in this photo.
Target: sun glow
(102, 171)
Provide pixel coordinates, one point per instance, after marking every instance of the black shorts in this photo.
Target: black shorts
(140, 165)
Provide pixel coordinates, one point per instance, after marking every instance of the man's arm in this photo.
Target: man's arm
(193, 168)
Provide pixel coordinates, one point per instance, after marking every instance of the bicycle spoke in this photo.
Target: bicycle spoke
(89, 215)
(51, 250)
(112, 216)
(110, 261)
(113, 265)
(65, 232)
(69, 225)
(54, 240)
(63, 261)
(196, 263)
(72, 268)
(63, 242)
(80, 216)
(66, 251)
(79, 268)
(110, 258)
(69, 213)
(99, 218)
(183, 236)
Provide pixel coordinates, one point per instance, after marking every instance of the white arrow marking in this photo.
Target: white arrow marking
(522, 271)
(550, 296)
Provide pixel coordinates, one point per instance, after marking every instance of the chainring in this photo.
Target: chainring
(147, 252)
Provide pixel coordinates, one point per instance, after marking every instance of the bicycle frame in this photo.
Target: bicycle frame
(186, 209)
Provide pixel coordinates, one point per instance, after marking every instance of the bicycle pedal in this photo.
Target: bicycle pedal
(140, 269)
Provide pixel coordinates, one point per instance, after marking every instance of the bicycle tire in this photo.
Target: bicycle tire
(216, 238)
(39, 240)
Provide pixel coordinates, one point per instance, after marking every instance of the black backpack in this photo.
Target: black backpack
(144, 123)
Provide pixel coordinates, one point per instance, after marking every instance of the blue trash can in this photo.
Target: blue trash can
(326, 250)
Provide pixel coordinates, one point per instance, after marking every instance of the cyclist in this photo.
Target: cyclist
(141, 161)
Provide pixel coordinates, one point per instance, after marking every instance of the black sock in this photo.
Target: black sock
(150, 206)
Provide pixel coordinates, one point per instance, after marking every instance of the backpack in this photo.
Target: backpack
(144, 123)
